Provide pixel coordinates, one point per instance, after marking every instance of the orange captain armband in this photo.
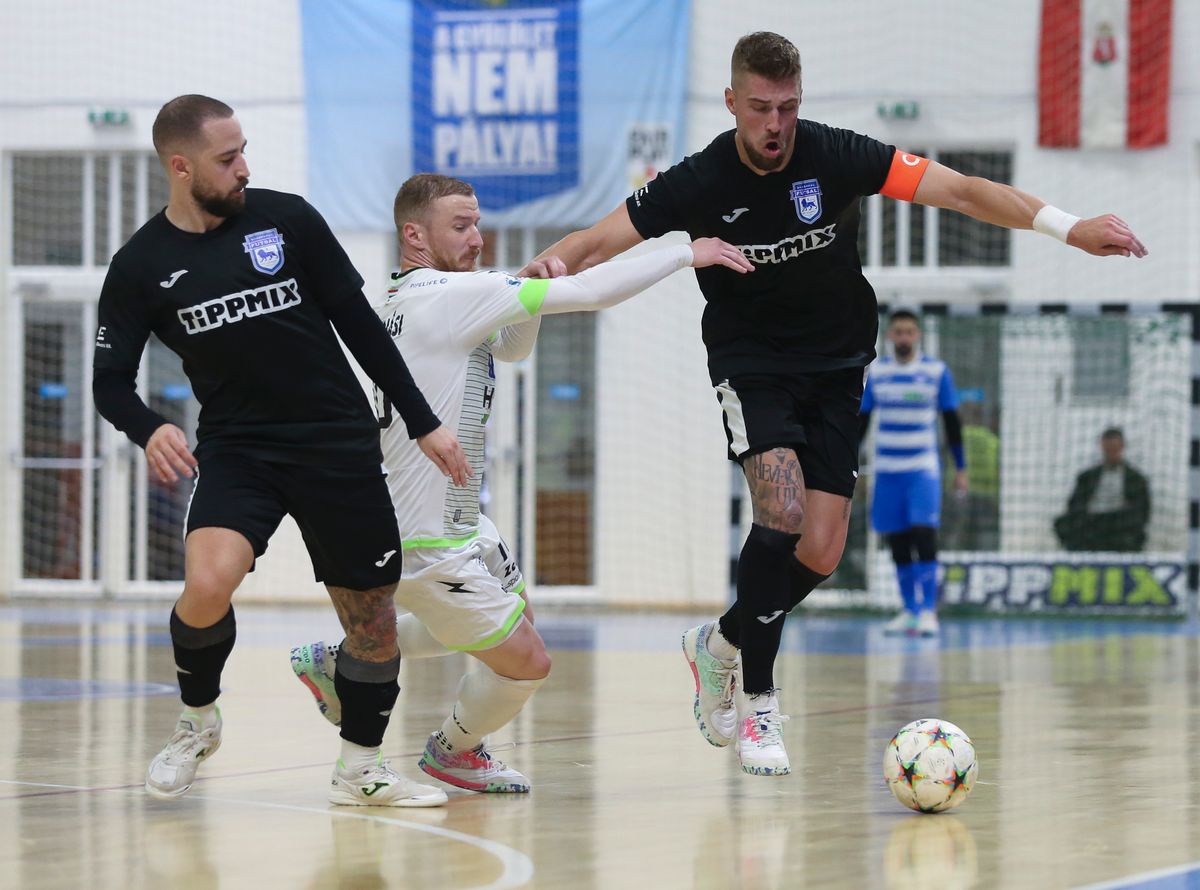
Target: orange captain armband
(904, 176)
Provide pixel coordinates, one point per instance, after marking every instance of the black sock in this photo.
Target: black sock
(730, 625)
(200, 654)
(763, 602)
(367, 691)
(802, 580)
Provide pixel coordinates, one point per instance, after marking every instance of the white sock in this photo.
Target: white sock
(486, 702)
(763, 701)
(719, 646)
(356, 757)
(203, 717)
(415, 640)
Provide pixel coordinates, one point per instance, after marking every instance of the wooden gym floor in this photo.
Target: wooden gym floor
(1088, 737)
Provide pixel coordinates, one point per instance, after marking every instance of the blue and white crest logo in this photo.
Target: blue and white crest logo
(806, 195)
(266, 250)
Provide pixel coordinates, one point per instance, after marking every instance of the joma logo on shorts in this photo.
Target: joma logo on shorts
(231, 308)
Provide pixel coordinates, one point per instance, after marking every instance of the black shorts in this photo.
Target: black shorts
(345, 515)
(815, 414)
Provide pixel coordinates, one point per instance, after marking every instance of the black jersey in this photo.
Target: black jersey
(245, 306)
(806, 306)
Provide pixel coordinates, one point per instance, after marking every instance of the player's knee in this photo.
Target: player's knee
(925, 542)
(786, 518)
(786, 521)
(824, 563)
(902, 547)
(772, 539)
(537, 666)
(532, 663)
(823, 553)
(210, 587)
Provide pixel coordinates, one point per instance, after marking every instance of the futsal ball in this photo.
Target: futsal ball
(930, 765)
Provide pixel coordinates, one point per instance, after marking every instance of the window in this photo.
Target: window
(897, 234)
(77, 209)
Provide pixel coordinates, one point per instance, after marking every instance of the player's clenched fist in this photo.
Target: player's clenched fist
(715, 252)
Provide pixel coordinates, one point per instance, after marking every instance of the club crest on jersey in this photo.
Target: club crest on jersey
(806, 195)
(266, 250)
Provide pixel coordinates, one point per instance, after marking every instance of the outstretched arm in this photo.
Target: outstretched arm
(1003, 205)
(611, 283)
(587, 247)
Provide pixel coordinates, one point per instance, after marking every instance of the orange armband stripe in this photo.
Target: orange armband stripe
(904, 176)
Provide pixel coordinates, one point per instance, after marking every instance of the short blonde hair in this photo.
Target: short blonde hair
(418, 193)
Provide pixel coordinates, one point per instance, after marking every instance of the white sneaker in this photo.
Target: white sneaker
(379, 785)
(904, 624)
(760, 737)
(475, 770)
(314, 665)
(927, 623)
(716, 715)
(173, 769)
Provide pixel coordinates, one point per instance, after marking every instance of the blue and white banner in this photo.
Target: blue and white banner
(554, 110)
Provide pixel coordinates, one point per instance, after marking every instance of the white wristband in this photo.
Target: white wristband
(1054, 222)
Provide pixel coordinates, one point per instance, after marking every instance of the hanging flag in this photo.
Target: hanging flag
(554, 110)
(1104, 73)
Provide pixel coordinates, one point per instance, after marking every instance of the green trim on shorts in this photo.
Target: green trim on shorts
(533, 293)
(491, 640)
(438, 543)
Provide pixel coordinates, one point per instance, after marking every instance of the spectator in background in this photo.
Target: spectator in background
(1110, 505)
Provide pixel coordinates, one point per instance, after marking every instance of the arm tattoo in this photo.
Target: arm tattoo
(776, 488)
(369, 619)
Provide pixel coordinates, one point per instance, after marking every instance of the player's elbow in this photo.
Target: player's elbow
(513, 353)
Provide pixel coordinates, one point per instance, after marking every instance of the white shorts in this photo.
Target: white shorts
(470, 596)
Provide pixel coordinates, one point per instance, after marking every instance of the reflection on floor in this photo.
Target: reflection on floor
(1086, 732)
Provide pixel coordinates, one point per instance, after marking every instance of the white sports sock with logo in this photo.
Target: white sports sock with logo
(203, 717)
(486, 702)
(356, 757)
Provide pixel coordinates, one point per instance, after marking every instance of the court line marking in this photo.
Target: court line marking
(516, 868)
(1132, 882)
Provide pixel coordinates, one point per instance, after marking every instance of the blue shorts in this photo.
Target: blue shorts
(904, 500)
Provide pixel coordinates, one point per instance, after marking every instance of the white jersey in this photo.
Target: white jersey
(450, 326)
